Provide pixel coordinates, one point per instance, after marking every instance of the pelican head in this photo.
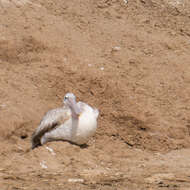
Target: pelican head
(70, 101)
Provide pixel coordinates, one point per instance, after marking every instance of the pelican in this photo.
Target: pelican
(74, 122)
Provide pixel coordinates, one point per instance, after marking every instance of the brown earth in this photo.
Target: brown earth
(130, 60)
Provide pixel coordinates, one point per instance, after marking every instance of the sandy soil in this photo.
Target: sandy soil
(130, 60)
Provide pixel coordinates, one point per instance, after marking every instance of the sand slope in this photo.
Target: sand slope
(130, 60)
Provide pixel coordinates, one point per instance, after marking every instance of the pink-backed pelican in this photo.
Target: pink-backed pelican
(74, 122)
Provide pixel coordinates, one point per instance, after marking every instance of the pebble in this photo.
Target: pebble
(116, 48)
(51, 150)
(43, 164)
(74, 180)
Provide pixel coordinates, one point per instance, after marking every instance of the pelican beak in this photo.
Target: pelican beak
(74, 107)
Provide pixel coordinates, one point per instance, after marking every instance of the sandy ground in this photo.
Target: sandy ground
(130, 60)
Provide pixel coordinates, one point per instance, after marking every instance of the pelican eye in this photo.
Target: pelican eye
(66, 98)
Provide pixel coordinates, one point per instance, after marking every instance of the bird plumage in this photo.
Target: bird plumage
(63, 124)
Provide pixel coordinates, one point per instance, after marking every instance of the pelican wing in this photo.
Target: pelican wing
(50, 121)
(83, 106)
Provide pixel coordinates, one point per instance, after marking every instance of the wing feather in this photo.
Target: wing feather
(50, 121)
(85, 107)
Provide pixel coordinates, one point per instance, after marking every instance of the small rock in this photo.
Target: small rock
(43, 165)
(75, 180)
(50, 150)
(116, 48)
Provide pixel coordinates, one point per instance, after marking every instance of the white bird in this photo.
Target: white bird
(74, 122)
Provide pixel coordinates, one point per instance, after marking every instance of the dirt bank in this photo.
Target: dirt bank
(130, 60)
